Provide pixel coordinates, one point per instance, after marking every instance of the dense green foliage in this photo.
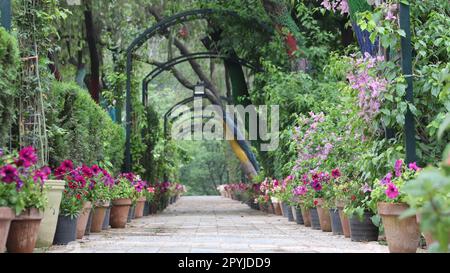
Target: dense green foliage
(81, 130)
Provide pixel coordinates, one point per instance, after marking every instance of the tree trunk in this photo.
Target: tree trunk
(94, 84)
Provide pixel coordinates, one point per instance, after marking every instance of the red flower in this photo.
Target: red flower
(79, 196)
(353, 197)
(316, 202)
(291, 42)
(336, 173)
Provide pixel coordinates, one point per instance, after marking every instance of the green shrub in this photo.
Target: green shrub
(81, 130)
(9, 67)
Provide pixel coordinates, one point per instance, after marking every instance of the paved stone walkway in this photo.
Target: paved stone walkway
(215, 224)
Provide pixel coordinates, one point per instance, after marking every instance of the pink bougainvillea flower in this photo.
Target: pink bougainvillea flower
(27, 157)
(387, 179)
(392, 191)
(336, 173)
(8, 174)
(398, 167)
(413, 166)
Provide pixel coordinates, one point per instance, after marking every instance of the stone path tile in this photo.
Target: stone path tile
(214, 224)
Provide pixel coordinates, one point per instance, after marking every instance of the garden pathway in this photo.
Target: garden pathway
(215, 224)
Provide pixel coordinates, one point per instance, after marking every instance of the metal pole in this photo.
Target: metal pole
(5, 14)
(410, 134)
(128, 108)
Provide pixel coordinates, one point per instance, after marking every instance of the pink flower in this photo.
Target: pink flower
(317, 186)
(398, 167)
(387, 179)
(87, 171)
(41, 175)
(366, 188)
(8, 174)
(413, 166)
(336, 173)
(95, 169)
(67, 165)
(392, 191)
(27, 157)
(300, 190)
(151, 189)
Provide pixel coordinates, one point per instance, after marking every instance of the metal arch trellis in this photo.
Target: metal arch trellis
(160, 68)
(149, 33)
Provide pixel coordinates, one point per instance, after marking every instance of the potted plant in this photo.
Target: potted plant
(100, 188)
(340, 196)
(361, 216)
(149, 194)
(329, 201)
(137, 198)
(23, 183)
(11, 199)
(388, 198)
(75, 194)
(121, 195)
(300, 190)
(54, 189)
(429, 198)
(285, 195)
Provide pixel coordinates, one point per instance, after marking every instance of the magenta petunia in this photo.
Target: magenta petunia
(8, 174)
(67, 165)
(392, 191)
(398, 167)
(387, 179)
(413, 166)
(27, 157)
(336, 173)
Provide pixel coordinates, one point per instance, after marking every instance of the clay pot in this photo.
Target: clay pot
(98, 216)
(402, 235)
(336, 225)
(83, 219)
(24, 231)
(315, 220)
(277, 208)
(6, 216)
(47, 228)
(139, 211)
(344, 219)
(306, 215)
(324, 216)
(363, 230)
(281, 208)
(119, 212)
(66, 230)
(89, 224)
(106, 220)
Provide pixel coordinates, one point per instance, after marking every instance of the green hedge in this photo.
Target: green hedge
(9, 72)
(81, 130)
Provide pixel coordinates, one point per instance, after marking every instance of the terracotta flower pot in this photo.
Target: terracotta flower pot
(306, 215)
(119, 212)
(47, 228)
(402, 235)
(363, 230)
(277, 207)
(24, 231)
(344, 219)
(139, 211)
(324, 216)
(98, 216)
(66, 231)
(89, 224)
(6, 216)
(83, 219)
